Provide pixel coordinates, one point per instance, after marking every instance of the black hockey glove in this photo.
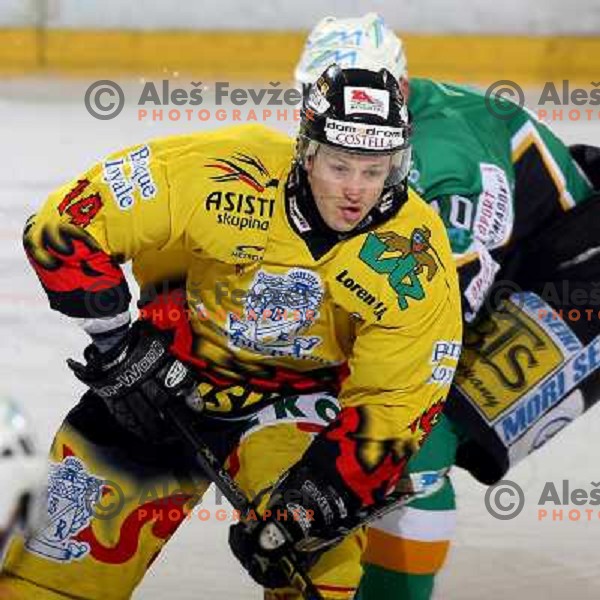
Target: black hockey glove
(261, 546)
(136, 378)
(345, 477)
(305, 516)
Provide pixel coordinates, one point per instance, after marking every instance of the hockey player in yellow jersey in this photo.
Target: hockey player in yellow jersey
(300, 301)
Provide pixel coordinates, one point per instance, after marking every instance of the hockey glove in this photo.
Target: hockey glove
(349, 471)
(305, 516)
(137, 378)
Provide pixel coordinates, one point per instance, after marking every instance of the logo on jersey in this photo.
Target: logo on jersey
(126, 175)
(364, 295)
(72, 494)
(416, 257)
(244, 168)
(309, 412)
(366, 101)
(240, 210)
(444, 359)
(248, 252)
(494, 215)
(479, 286)
(510, 355)
(276, 310)
(549, 395)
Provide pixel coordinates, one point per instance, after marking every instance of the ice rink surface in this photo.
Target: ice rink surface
(47, 138)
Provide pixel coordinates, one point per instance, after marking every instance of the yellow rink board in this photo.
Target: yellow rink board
(271, 56)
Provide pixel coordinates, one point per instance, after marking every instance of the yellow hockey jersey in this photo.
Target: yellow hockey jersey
(269, 295)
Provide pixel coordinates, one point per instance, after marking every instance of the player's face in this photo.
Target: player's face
(346, 186)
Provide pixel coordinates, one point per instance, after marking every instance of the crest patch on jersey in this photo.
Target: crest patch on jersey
(72, 494)
(416, 257)
(277, 309)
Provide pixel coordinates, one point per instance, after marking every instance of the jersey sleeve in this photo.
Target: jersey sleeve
(546, 174)
(89, 227)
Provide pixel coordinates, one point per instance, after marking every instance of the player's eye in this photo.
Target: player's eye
(337, 168)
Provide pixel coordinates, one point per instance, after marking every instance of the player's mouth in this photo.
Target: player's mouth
(351, 213)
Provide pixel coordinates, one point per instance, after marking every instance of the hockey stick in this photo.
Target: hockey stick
(178, 416)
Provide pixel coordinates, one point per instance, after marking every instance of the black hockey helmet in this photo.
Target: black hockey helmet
(358, 111)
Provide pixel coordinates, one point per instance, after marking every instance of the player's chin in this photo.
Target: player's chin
(342, 226)
(350, 224)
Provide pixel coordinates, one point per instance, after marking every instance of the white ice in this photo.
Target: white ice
(48, 137)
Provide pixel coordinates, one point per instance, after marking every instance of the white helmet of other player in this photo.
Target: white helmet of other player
(23, 474)
(356, 43)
